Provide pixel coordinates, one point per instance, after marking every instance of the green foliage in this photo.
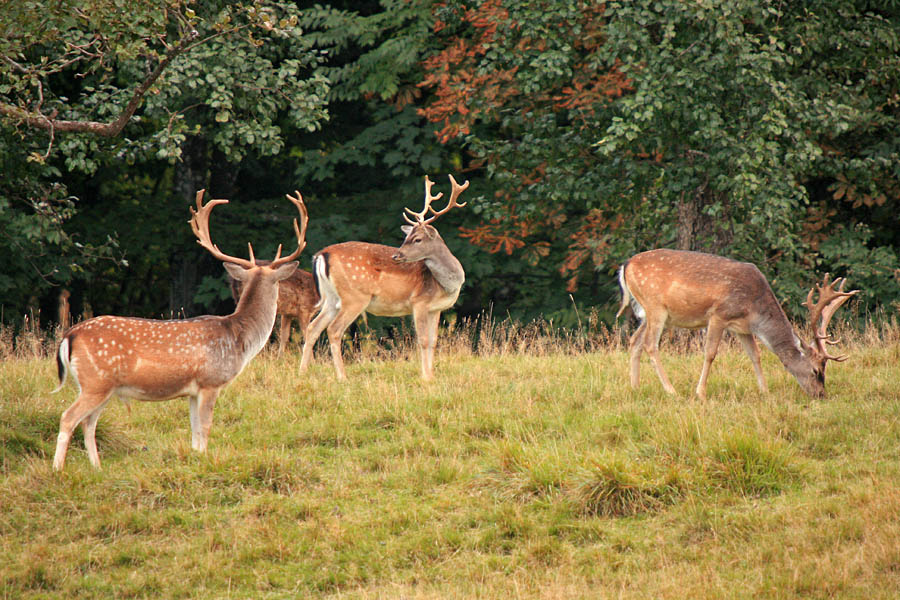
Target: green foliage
(236, 76)
(875, 270)
(763, 131)
(37, 251)
(238, 89)
(733, 121)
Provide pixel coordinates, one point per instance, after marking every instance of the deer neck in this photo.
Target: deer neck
(254, 317)
(446, 269)
(777, 333)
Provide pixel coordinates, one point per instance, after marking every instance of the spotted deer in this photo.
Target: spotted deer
(421, 277)
(151, 359)
(297, 298)
(692, 290)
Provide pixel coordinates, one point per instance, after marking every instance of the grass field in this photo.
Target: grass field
(527, 469)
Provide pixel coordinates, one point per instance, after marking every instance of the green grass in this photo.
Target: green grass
(528, 469)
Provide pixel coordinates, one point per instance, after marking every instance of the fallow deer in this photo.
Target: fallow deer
(159, 360)
(421, 277)
(297, 298)
(692, 290)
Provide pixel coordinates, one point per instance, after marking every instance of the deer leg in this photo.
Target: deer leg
(314, 330)
(336, 330)
(90, 430)
(637, 347)
(195, 422)
(426, 336)
(752, 350)
(201, 417)
(651, 346)
(433, 321)
(86, 404)
(714, 331)
(284, 333)
(303, 318)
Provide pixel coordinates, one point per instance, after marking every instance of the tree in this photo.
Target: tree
(84, 85)
(524, 87)
(611, 128)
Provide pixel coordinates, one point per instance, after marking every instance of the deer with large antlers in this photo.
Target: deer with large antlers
(692, 290)
(421, 278)
(159, 360)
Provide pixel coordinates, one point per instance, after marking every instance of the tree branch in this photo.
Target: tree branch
(113, 128)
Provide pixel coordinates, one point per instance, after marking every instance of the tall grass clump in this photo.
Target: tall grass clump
(753, 467)
(625, 489)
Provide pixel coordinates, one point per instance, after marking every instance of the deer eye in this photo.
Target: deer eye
(417, 240)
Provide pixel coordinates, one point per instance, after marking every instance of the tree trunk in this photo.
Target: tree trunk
(697, 230)
(190, 176)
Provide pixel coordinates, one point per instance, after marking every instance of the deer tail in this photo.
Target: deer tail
(327, 292)
(62, 362)
(627, 298)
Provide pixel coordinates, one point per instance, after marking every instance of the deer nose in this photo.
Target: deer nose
(398, 257)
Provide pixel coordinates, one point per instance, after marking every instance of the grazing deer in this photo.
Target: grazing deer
(421, 277)
(692, 290)
(297, 298)
(159, 360)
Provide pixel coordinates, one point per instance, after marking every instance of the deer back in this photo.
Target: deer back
(691, 287)
(161, 359)
(361, 269)
(151, 359)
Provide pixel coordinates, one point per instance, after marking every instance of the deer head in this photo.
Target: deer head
(421, 238)
(811, 373)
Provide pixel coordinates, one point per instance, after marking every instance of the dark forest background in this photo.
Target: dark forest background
(767, 131)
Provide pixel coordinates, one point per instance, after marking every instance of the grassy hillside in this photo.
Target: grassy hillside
(528, 469)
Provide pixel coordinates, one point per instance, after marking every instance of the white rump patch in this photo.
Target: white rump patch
(635, 305)
(329, 293)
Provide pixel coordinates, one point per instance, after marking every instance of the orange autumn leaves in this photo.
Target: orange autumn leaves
(479, 73)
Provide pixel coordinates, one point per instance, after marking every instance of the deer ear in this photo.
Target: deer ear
(236, 271)
(405, 229)
(286, 270)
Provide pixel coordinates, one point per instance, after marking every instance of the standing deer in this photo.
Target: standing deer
(421, 278)
(160, 360)
(297, 298)
(692, 290)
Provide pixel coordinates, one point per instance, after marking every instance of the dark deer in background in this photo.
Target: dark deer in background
(421, 278)
(158, 360)
(692, 290)
(297, 298)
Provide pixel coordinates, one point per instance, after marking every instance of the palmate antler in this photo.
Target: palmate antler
(820, 313)
(200, 226)
(457, 189)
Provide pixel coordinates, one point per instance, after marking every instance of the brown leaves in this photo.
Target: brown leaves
(590, 241)
(457, 76)
(849, 192)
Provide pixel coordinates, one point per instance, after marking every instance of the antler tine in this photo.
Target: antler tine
(456, 190)
(830, 300)
(420, 216)
(200, 226)
(299, 231)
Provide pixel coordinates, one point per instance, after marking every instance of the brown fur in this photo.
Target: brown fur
(297, 299)
(694, 290)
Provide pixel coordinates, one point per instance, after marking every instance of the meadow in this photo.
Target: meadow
(527, 469)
